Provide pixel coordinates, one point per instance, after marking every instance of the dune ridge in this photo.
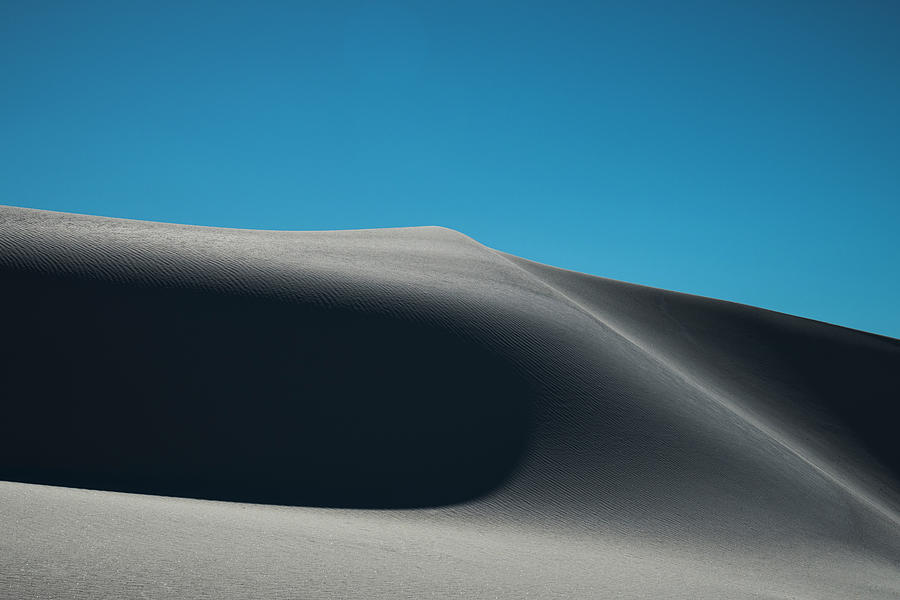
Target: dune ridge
(886, 507)
(473, 423)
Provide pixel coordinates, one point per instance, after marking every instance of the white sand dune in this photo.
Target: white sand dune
(196, 412)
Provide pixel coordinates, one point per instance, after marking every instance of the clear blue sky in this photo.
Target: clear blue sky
(748, 151)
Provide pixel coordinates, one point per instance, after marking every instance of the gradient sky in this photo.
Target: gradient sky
(748, 151)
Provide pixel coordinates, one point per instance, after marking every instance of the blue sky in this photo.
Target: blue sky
(748, 151)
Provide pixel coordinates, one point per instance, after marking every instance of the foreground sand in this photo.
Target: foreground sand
(415, 415)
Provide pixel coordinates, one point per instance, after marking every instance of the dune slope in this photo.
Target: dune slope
(412, 414)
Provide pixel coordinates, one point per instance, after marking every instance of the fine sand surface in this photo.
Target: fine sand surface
(195, 412)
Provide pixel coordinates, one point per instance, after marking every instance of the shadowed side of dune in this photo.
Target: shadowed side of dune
(829, 391)
(213, 395)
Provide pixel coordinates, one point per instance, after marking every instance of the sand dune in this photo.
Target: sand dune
(405, 413)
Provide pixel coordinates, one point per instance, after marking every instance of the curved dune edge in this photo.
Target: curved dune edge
(872, 491)
(675, 446)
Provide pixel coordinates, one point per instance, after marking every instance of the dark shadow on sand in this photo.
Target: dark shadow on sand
(208, 395)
